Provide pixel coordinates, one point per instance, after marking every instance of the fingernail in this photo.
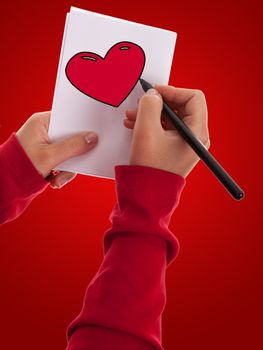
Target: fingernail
(91, 138)
(153, 92)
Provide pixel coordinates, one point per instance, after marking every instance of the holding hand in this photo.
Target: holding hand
(33, 137)
(156, 143)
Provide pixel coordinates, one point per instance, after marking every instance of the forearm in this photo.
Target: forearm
(125, 300)
(20, 183)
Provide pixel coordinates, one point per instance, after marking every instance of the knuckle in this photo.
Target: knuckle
(199, 93)
(205, 141)
(145, 99)
(150, 104)
(39, 116)
(150, 99)
(34, 119)
(34, 116)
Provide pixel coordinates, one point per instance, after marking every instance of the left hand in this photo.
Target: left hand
(33, 137)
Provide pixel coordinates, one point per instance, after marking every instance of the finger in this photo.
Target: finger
(70, 147)
(187, 101)
(131, 114)
(148, 117)
(44, 117)
(61, 179)
(129, 123)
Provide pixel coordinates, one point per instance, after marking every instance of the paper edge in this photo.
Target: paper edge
(59, 69)
(76, 9)
(86, 174)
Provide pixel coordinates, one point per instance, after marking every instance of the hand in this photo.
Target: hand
(156, 143)
(33, 137)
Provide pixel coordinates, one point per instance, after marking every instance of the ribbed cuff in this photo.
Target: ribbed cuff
(146, 200)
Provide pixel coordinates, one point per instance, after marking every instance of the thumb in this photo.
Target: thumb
(71, 147)
(148, 118)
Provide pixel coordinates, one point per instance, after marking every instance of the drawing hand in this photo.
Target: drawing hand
(156, 143)
(33, 137)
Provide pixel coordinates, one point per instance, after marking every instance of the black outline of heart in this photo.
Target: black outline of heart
(86, 53)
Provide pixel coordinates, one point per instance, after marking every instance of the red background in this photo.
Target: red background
(49, 255)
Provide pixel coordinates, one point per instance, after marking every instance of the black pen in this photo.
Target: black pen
(200, 149)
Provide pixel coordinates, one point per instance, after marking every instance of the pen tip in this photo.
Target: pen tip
(145, 85)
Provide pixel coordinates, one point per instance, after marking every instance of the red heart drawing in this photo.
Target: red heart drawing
(110, 79)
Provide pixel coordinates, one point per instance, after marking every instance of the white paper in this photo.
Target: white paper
(74, 111)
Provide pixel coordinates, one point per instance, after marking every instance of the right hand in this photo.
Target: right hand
(156, 143)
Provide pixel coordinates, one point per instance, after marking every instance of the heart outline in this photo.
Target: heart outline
(104, 58)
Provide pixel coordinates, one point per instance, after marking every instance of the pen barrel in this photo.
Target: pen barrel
(226, 180)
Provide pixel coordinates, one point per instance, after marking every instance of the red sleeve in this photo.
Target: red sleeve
(124, 302)
(19, 180)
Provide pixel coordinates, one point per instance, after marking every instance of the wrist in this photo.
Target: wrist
(20, 167)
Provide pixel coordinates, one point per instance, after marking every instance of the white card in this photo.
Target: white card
(110, 45)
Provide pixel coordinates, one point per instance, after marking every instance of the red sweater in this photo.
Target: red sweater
(123, 303)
